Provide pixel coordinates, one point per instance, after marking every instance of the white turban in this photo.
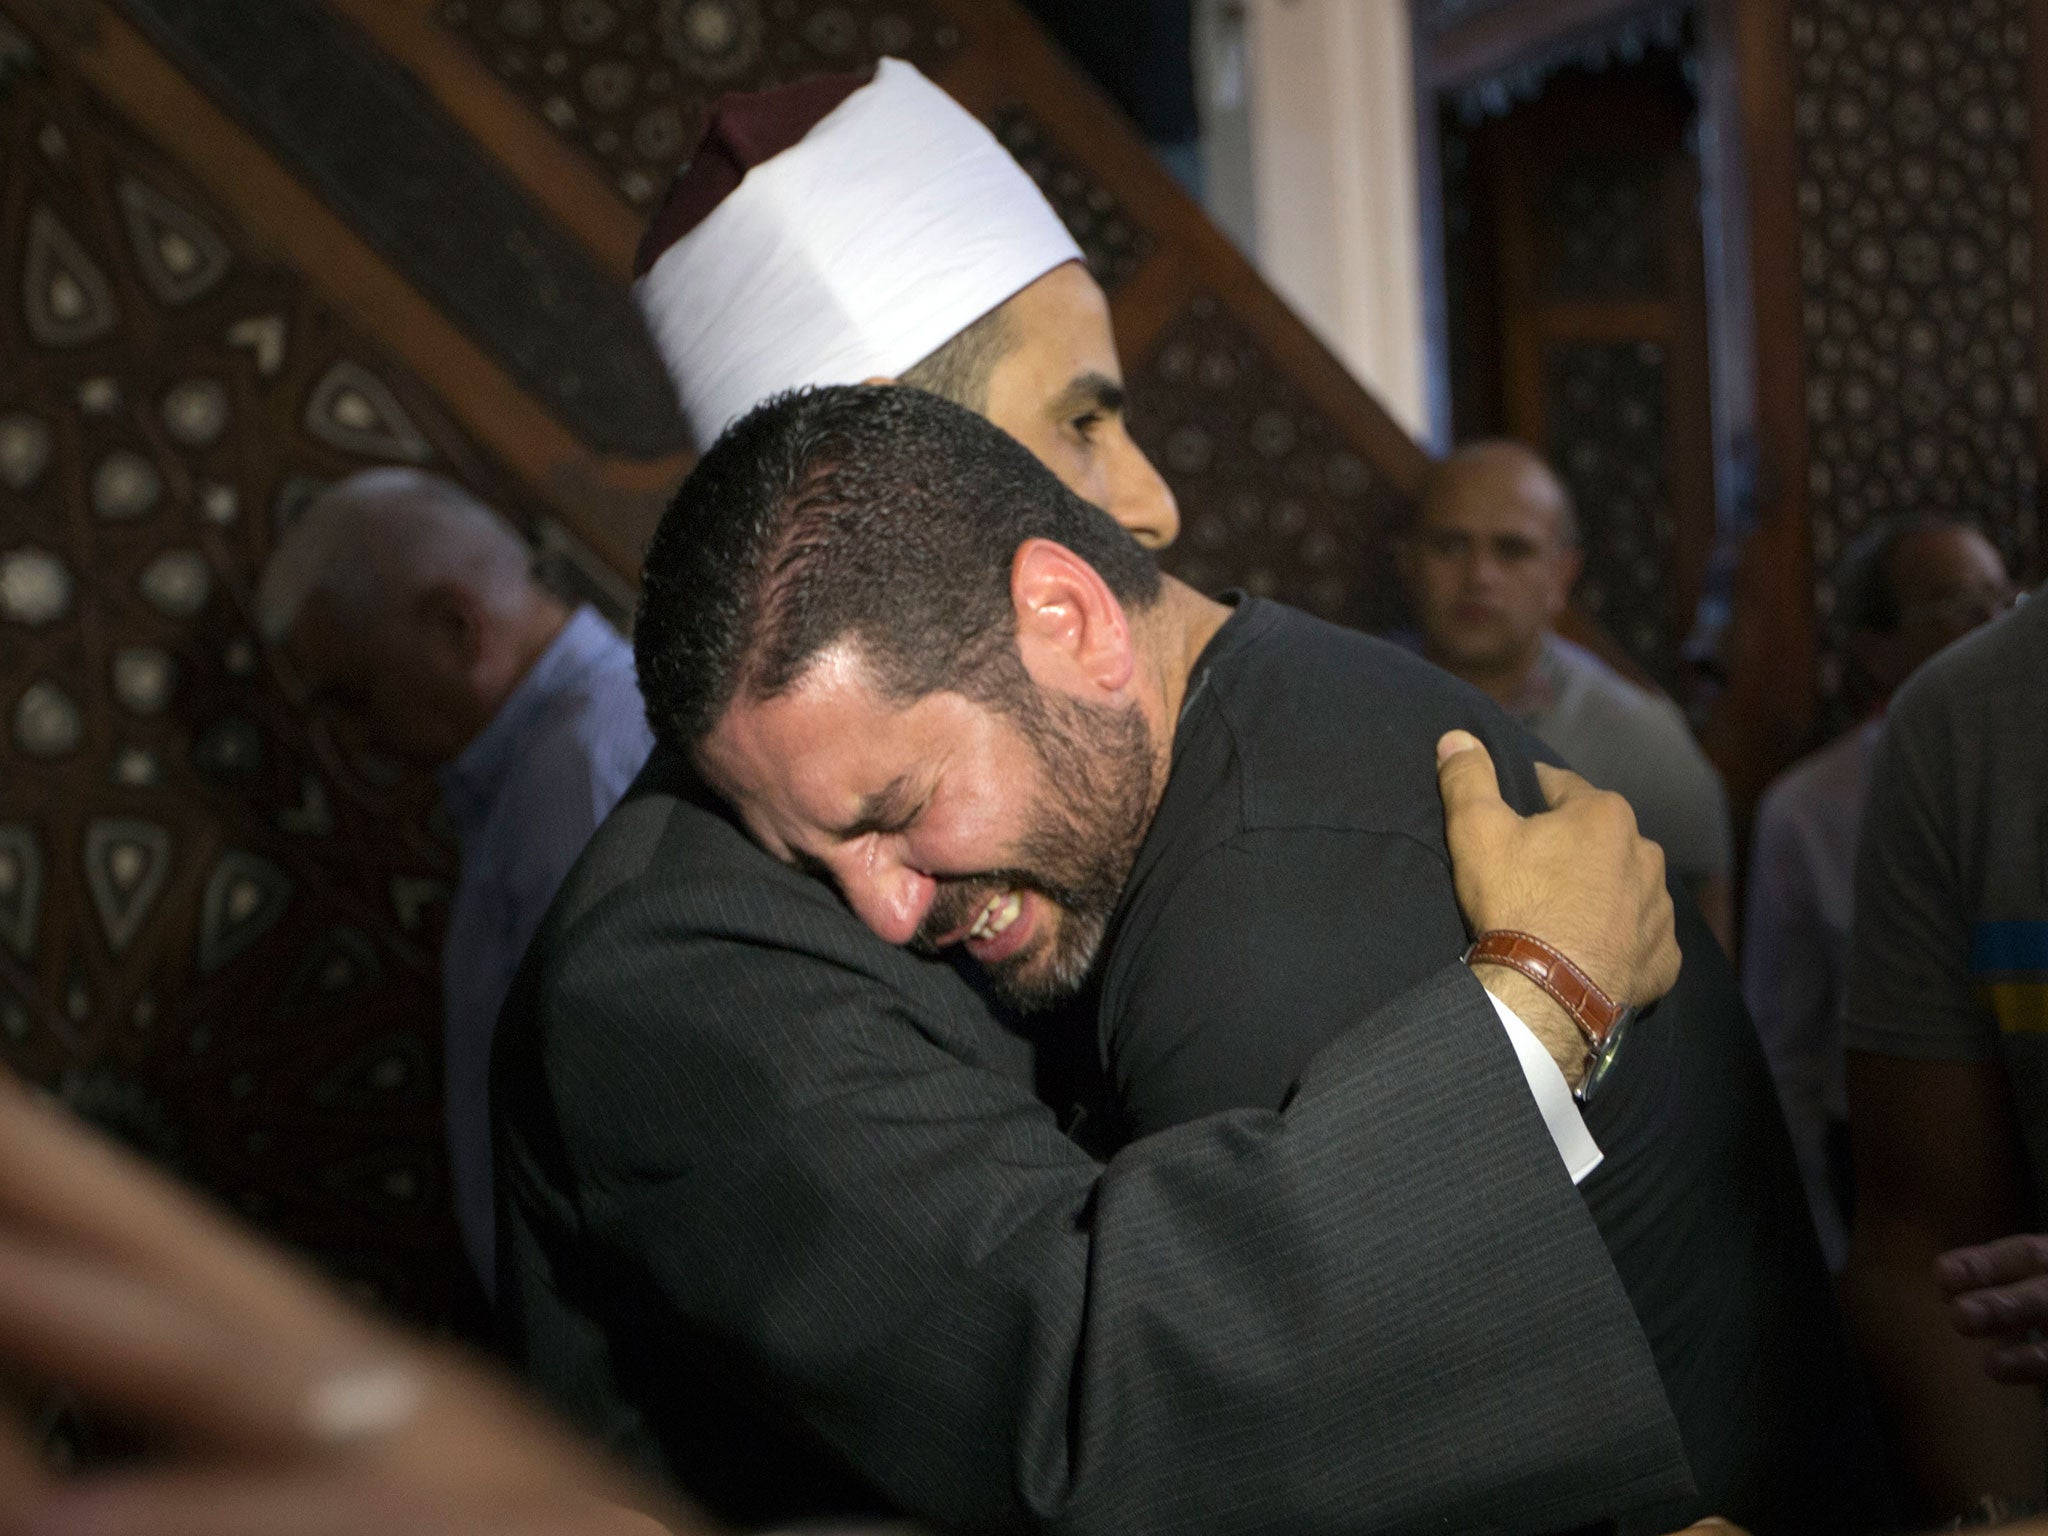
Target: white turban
(884, 231)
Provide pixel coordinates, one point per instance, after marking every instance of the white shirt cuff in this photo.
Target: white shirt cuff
(1553, 1096)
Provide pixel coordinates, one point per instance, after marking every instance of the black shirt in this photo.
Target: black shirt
(1296, 877)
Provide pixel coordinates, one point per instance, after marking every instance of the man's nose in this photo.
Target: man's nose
(1140, 499)
(1481, 569)
(889, 897)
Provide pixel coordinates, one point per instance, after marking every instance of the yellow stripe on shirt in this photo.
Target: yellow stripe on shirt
(2021, 1007)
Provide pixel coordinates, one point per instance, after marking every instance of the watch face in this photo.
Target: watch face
(1609, 1050)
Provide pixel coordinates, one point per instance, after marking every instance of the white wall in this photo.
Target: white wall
(1333, 174)
(1223, 95)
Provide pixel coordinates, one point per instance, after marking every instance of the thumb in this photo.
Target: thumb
(1466, 779)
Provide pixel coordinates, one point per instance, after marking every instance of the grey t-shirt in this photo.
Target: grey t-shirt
(1949, 961)
(1636, 743)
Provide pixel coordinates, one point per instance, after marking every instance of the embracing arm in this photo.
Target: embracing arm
(1238, 1322)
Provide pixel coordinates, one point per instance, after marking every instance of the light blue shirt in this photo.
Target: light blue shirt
(524, 796)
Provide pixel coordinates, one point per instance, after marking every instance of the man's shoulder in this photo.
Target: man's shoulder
(1592, 684)
(1980, 676)
(672, 924)
(633, 851)
(596, 703)
(1827, 781)
(586, 734)
(1328, 721)
(1601, 713)
(668, 867)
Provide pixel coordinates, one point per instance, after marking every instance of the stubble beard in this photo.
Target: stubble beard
(1077, 853)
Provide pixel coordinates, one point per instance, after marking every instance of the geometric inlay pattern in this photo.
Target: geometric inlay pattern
(351, 409)
(359, 131)
(1917, 227)
(21, 887)
(65, 297)
(1114, 245)
(341, 960)
(197, 881)
(228, 749)
(1607, 441)
(178, 254)
(411, 897)
(629, 83)
(144, 676)
(176, 583)
(245, 896)
(17, 54)
(136, 768)
(1271, 495)
(126, 864)
(24, 451)
(381, 1072)
(312, 816)
(1597, 230)
(196, 412)
(125, 485)
(35, 588)
(47, 721)
(264, 336)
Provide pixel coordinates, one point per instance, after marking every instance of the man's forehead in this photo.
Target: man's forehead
(1944, 555)
(1062, 328)
(1500, 496)
(806, 731)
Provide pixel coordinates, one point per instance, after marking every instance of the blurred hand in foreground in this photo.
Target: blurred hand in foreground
(277, 1407)
(1999, 1292)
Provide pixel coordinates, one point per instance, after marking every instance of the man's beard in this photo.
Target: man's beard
(1077, 853)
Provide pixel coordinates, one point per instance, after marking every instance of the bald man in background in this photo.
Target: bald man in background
(410, 612)
(1489, 566)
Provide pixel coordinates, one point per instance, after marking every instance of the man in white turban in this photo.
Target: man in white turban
(851, 228)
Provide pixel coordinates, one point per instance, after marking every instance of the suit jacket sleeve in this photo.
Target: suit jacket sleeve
(1384, 1308)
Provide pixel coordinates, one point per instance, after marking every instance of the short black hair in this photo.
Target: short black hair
(878, 514)
(1867, 591)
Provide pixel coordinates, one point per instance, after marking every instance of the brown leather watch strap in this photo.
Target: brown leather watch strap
(1578, 994)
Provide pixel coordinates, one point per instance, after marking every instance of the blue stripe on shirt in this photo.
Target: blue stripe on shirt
(2003, 948)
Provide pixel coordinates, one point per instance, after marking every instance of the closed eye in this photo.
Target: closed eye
(886, 812)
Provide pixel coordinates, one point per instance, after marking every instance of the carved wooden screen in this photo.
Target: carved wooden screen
(251, 245)
(1917, 275)
(1898, 171)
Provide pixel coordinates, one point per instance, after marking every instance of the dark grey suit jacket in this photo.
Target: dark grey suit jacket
(782, 1220)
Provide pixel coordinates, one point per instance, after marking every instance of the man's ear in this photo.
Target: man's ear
(1882, 658)
(1071, 631)
(451, 617)
(1571, 561)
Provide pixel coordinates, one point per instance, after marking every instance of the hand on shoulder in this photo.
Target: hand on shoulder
(1578, 876)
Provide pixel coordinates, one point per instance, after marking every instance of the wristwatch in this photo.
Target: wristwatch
(1601, 1021)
